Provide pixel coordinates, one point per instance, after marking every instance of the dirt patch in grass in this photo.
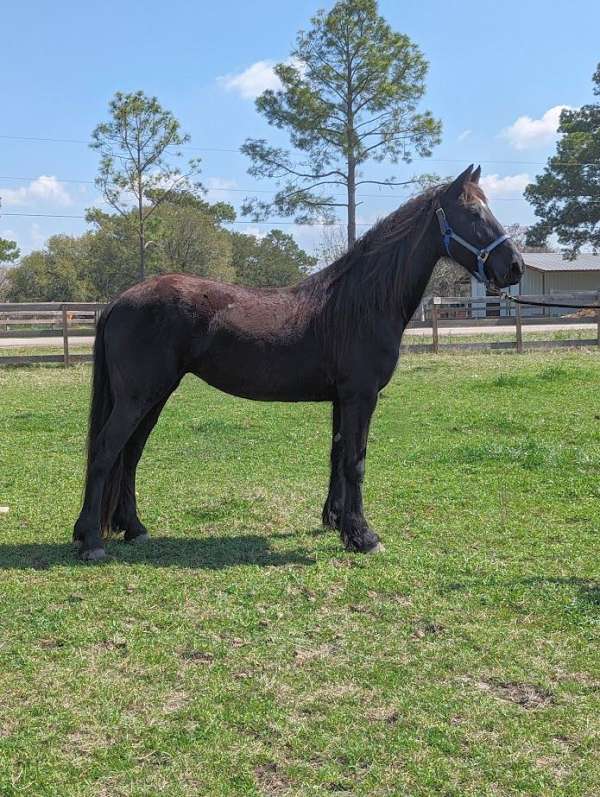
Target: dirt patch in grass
(387, 714)
(306, 655)
(427, 629)
(7, 727)
(528, 696)
(270, 780)
(196, 657)
(85, 742)
(175, 702)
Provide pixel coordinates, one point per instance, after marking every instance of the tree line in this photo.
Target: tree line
(186, 234)
(348, 94)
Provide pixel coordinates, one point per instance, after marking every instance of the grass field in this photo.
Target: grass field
(242, 652)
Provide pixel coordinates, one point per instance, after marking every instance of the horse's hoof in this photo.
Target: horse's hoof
(379, 548)
(95, 555)
(139, 540)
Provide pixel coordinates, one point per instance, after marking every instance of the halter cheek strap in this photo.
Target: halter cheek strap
(482, 255)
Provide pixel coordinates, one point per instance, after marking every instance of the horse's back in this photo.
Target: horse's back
(253, 343)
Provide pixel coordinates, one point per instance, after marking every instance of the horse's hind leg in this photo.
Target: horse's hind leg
(107, 448)
(126, 517)
(334, 505)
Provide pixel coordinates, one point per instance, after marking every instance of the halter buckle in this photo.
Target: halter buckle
(480, 273)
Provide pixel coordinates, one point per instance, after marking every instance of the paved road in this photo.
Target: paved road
(35, 343)
(507, 331)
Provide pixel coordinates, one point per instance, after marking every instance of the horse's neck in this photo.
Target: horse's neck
(419, 267)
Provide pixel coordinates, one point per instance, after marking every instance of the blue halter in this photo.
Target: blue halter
(448, 235)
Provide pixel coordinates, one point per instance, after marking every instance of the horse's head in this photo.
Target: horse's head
(473, 236)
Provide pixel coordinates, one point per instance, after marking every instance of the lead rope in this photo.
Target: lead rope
(517, 300)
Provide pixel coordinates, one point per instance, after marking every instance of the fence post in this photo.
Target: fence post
(434, 325)
(65, 326)
(519, 326)
(598, 315)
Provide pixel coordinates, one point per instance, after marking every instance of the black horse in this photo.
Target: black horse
(334, 337)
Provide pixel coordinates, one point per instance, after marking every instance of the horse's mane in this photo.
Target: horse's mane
(371, 277)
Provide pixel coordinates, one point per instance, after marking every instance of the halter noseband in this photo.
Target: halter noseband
(448, 235)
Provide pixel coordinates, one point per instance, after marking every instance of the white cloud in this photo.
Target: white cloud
(252, 81)
(219, 189)
(527, 133)
(257, 78)
(464, 135)
(509, 186)
(258, 232)
(43, 189)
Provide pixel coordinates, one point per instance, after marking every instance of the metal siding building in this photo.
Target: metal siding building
(549, 272)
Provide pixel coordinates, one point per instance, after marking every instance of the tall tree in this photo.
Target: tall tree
(190, 238)
(56, 273)
(566, 197)
(113, 249)
(349, 93)
(270, 262)
(138, 146)
(9, 251)
(185, 234)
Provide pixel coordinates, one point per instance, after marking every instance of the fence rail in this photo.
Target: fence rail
(65, 320)
(452, 312)
(71, 320)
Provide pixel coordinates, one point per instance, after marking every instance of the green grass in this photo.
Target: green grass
(242, 652)
(449, 336)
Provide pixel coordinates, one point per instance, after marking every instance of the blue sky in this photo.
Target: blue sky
(498, 73)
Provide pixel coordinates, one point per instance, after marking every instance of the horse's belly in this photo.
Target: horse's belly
(265, 373)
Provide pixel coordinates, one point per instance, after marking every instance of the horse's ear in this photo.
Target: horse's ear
(476, 175)
(456, 187)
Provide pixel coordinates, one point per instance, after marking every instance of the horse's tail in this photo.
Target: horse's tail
(100, 409)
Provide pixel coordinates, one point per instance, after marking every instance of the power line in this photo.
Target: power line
(41, 139)
(43, 215)
(519, 198)
(261, 223)
(48, 140)
(237, 190)
(60, 179)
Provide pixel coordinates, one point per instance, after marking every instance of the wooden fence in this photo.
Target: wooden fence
(64, 320)
(447, 314)
(71, 320)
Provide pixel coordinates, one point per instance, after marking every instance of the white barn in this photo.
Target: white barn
(548, 273)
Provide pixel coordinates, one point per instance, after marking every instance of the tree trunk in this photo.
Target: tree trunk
(141, 232)
(142, 256)
(141, 210)
(351, 203)
(351, 153)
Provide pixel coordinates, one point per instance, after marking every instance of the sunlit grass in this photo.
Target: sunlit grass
(244, 653)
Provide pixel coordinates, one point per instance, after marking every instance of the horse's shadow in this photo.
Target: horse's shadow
(217, 553)
(588, 590)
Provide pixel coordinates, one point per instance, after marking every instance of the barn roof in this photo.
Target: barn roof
(554, 261)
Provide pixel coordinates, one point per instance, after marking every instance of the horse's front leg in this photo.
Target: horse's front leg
(356, 412)
(334, 505)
